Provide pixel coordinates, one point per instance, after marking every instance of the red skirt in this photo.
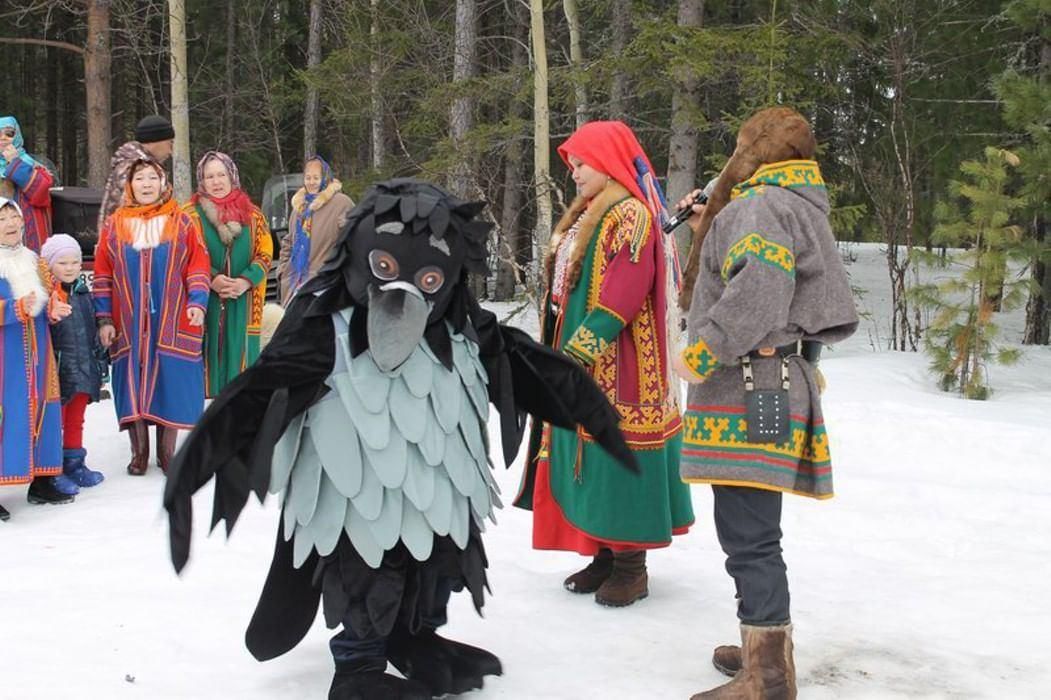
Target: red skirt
(552, 530)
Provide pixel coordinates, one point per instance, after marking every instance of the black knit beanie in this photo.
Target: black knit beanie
(154, 128)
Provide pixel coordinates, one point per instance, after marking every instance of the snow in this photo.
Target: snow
(926, 577)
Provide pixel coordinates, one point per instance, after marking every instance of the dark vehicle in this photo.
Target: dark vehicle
(277, 208)
(74, 211)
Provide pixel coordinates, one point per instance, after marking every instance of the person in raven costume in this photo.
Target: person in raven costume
(367, 412)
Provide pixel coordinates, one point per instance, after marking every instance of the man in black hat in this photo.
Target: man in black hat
(154, 137)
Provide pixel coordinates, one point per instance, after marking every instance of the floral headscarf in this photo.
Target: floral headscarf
(18, 143)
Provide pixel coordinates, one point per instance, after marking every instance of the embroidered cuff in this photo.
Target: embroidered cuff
(595, 334)
(700, 360)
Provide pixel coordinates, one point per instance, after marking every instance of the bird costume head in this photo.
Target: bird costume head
(405, 255)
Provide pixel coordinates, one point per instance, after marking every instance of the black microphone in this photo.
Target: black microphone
(686, 212)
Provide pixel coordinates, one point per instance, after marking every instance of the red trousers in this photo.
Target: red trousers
(73, 422)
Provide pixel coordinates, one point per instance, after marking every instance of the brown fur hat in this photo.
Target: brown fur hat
(769, 136)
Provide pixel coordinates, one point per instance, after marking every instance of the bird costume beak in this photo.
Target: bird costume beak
(396, 322)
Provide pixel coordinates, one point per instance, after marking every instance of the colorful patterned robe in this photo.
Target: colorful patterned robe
(232, 326)
(31, 411)
(158, 372)
(771, 274)
(32, 184)
(614, 324)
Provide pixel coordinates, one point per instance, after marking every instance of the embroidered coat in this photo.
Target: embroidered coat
(232, 326)
(157, 373)
(30, 413)
(330, 208)
(32, 193)
(770, 274)
(613, 323)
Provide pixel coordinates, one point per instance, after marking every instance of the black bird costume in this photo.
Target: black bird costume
(367, 413)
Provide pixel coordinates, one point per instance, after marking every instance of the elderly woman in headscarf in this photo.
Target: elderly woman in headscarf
(26, 182)
(151, 291)
(30, 411)
(240, 249)
(319, 211)
(610, 277)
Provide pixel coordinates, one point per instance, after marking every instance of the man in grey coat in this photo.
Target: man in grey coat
(766, 288)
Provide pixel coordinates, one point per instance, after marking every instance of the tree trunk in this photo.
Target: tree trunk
(180, 99)
(230, 103)
(507, 247)
(460, 114)
(310, 114)
(71, 106)
(379, 149)
(53, 60)
(682, 146)
(97, 90)
(541, 134)
(576, 60)
(618, 93)
(1038, 308)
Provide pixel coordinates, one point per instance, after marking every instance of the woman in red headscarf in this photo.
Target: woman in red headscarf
(610, 275)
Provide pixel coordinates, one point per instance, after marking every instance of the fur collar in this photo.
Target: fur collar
(21, 268)
(590, 216)
(322, 198)
(229, 231)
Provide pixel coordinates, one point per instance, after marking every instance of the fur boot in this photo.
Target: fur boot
(768, 670)
(588, 579)
(140, 448)
(628, 582)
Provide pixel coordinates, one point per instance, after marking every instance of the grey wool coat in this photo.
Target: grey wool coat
(771, 274)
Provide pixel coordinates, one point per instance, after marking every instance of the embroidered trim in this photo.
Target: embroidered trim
(724, 432)
(767, 252)
(700, 359)
(586, 345)
(787, 173)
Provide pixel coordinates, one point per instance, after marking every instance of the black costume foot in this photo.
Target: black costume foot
(443, 665)
(365, 680)
(4, 515)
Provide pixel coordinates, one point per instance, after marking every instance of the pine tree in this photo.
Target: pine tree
(976, 217)
(1025, 92)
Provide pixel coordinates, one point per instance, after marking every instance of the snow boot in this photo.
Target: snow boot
(140, 448)
(365, 679)
(49, 490)
(768, 671)
(628, 582)
(165, 446)
(73, 466)
(588, 579)
(727, 659)
(443, 665)
(4, 515)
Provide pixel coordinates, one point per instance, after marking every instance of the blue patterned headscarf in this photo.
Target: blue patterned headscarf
(299, 259)
(18, 143)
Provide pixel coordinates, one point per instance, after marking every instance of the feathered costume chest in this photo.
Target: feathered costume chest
(388, 456)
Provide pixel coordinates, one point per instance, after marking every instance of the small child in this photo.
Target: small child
(80, 356)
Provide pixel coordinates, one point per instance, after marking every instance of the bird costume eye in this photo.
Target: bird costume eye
(384, 265)
(430, 279)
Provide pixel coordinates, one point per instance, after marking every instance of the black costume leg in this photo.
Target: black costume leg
(444, 665)
(748, 523)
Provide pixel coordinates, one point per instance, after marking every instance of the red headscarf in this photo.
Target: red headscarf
(236, 205)
(612, 149)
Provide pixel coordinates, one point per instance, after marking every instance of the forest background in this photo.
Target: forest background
(476, 94)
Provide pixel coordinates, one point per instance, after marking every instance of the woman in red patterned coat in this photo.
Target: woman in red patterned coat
(151, 291)
(26, 182)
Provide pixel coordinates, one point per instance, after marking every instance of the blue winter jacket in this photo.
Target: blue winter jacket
(82, 361)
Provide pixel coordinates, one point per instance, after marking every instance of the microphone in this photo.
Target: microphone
(685, 213)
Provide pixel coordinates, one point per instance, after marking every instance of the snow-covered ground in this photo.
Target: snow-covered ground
(926, 577)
